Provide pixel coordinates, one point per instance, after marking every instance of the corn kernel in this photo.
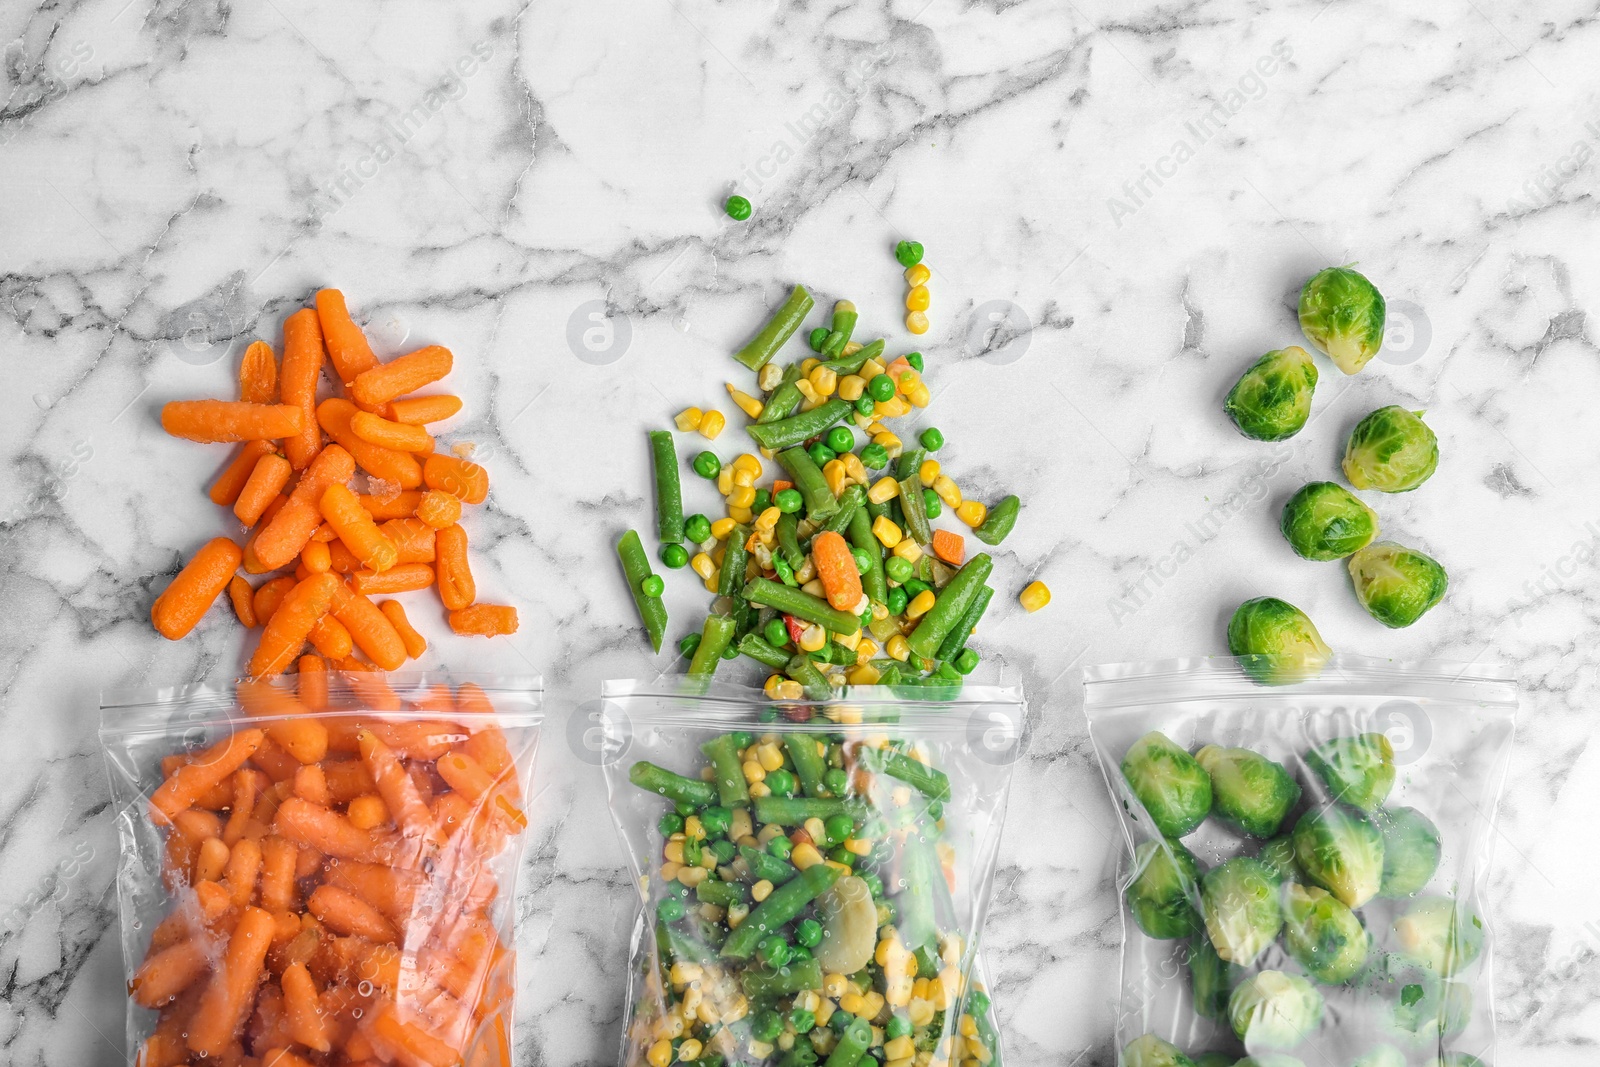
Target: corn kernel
(972, 512)
(921, 1011)
(945, 488)
(899, 992)
(761, 890)
(1036, 596)
(768, 519)
(743, 477)
(889, 441)
(747, 403)
(835, 985)
(711, 424)
(746, 462)
(702, 565)
(928, 473)
(807, 571)
(753, 771)
(814, 587)
(814, 827)
(742, 496)
(920, 604)
(867, 648)
(919, 396)
(871, 369)
(884, 529)
(916, 322)
(808, 391)
(898, 648)
(769, 377)
(689, 1050)
(908, 550)
(892, 408)
(918, 298)
(918, 274)
(805, 856)
(809, 364)
(851, 386)
(721, 528)
(835, 474)
(899, 1048)
(769, 756)
(725, 481)
(825, 380)
(692, 830)
(688, 419)
(789, 689)
(851, 348)
(692, 876)
(853, 467)
(883, 490)
(761, 789)
(853, 1003)
(813, 638)
(660, 1054)
(742, 515)
(969, 1026)
(760, 1049)
(866, 674)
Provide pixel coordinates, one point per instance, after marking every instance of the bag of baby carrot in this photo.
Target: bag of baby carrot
(321, 869)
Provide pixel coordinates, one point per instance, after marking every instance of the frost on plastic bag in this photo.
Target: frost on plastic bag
(1306, 864)
(813, 876)
(322, 871)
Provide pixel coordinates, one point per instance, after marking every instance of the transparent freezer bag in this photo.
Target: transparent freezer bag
(1306, 863)
(813, 876)
(321, 873)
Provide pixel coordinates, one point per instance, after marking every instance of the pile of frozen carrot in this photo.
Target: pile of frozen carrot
(289, 485)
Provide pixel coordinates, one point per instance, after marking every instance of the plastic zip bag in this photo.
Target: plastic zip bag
(1306, 863)
(331, 867)
(813, 876)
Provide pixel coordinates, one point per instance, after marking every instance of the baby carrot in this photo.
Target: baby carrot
(325, 534)
(212, 421)
(211, 860)
(311, 683)
(343, 911)
(180, 606)
(258, 374)
(252, 563)
(301, 1002)
(322, 828)
(343, 511)
(266, 481)
(398, 377)
(439, 509)
(456, 587)
(401, 505)
(413, 1039)
(169, 972)
(367, 811)
(310, 783)
(278, 855)
(269, 595)
(347, 345)
(395, 612)
(243, 598)
(282, 539)
(836, 569)
(225, 490)
(413, 538)
(391, 890)
(247, 783)
(302, 367)
(405, 578)
(421, 410)
(385, 434)
(395, 786)
(330, 638)
(484, 620)
(291, 624)
(371, 632)
(457, 477)
(282, 1057)
(205, 770)
(400, 468)
(296, 732)
(227, 1000)
(316, 556)
(244, 867)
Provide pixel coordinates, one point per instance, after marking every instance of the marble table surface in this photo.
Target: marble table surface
(1129, 194)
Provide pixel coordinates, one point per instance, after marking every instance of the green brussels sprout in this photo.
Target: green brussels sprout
(1163, 890)
(1342, 851)
(1278, 855)
(1397, 585)
(1247, 789)
(1322, 935)
(1275, 642)
(1274, 1010)
(1326, 521)
(1439, 934)
(1342, 315)
(1357, 770)
(1171, 785)
(1381, 1056)
(1148, 1050)
(1272, 399)
(1391, 450)
(1239, 900)
(1418, 1007)
(1215, 1059)
(1211, 978)
(1410, 851)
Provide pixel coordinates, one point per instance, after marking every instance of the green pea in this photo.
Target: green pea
(777, 633)
(685, 810)
(866, 405)
(716, 820)
(819, 335)
(844, 856)
(784, 571)
(789, 501)
(899, 570)
(863, 559)
(766, 1025)
(897, 599)
(669, 910)
(774, 951)
(935, 810)
(731, 652)
(781, 782)
(724, 850)
(652, 585)
(932, 504)
(836, 780)
(839, 827)
(808, 932)
(913, 586)
(674, 556)
(840, 1021)
(737, 207)
(743, 739)
(966, 661)
(803, 1021)
(820, 454)
(780, 847)
(931, 438)
(840, 439)
(707, 465)
(874, 883)
(671, 823)
(768, 713)
(865, 617)
(897, 1027)
(689, 643)
(881, 388)
(909, 253)
(799, 953)
(915, 359)
(697, 528)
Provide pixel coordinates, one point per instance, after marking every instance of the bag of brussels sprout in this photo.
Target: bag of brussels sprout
(813, 876)
(1307, 862)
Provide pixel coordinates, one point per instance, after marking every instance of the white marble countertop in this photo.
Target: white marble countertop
(1146, 187)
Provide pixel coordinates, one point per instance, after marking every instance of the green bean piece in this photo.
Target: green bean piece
(874, 580)
(783, 905)
(801, 605)
(636, 568)
(850, 364)
(809, 764)
(930, 781)
(793, 811)
(952, 604)
(723, 753)
(909, 463)
(915, 509)
(765, 866)
(722, 894)
(918, 869)
(788, 535)
(677, 945)
(675, 787)
(803, 670)
(765, 344)
(760, 649)
(852, 1046)
(850, 501)
(1002, 517)
(784, 399)
(735, 561)
(669, 493)
(718, 632)
(784, 433)
(799, 976)
(820, 501)
(957, 639)
(844, 324)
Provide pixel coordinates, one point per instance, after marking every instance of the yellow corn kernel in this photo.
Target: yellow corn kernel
(684, 972)
(858, 846)
(808, 390)
(753, 771)
(760, 1049)
(919, 396)
(834, 473)
(809, 364)
(743, 477)
(789, 689)
(772, 683)
(866, 674)
(692, 876)
(889, 441)
(908, 550)
(813, 638)
(804, 856)
(899, 1048)
(972, 512)
(721, 528)
(769, 756)
(871, 369)
(673, 852)
(742, 496)
(815, 828)
(899, 992)
(761, 789)
(689, 1050)
(725, 481)
(855, 468)
(769, 377)
(747, 462)
(898, 648)
(892, 408)
(688, 419)
(660, 1054)
(921, 1011)
(1036, 596)
(945, 488)
(851, 348)
(968, 1026)
(851, 386)
(920, 604)
(825, 380)
(916, 322)
(711, 424)
(835, 985)
(867, 648)
(928, 473)
(807, 571)
(887, 533)
(918, 298)
(768, 519)
(883, 490)
(747, 403)
(761, 890)
(852, 1002)
(742, 515)
(814, 587)
(692, 830)
(702, 565)
(850, 641)
(918, 274)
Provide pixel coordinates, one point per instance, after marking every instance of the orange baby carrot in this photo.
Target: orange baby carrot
(368, 812)
(243, 598)
(395, 786)
(330, 638)
(212, 899)
(413, 1039)
(347, 779)
(246, 784)
(271, 474)
(278, 857)
(341, 560)
(456, 588)
(302, 1003)
(421, 410)
(291, 624)
(398, 377)
(225, 490)
(463, 774)
(484, 620)
(836, 569)
(258, 374)
(347, 345)
(439, 509)
(401, 505)
(371, 632)
(302, 366)
(405, 578)
(244, 867)
(316, 557)
(252, 563)
(212, 421)
(343, 511)
(282, 1057)
(190, 595)
(282, 539)
(294, 730)
(169, 972)
(385, 434)
(197, 777)
(950, 547)
(343, 911)
(211, 860)
(311, 683)
(311, 784)
(231, 993)
(458, 477)
(269, 595)
(413, 538)
(400, 468)
(323, 829)
(395, 612)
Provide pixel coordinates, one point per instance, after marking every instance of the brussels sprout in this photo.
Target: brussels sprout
(1358, 770)
(1397, 585)
(1391, 450)
(1247, 789)
(1439, 934)
(1271, 400)
(1171, 785)
(1212, 978)
(1239, 900)
(1419, 1008)
(1148, 1050)
(1215, 1059)
(1342, 315)
(1322, 935)
(1274, 1010)
(1326, 521)
(1410, 851)
(1162, 893)
(1278, 855)
(1381, 1056)
(1342, 851)
(1275, 642)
